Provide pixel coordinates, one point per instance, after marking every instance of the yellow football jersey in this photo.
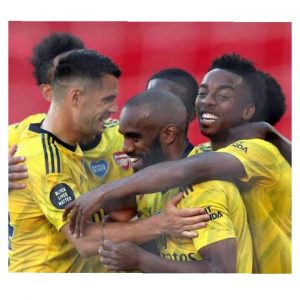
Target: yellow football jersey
(103, 159)
(151, 204)
(222, 202)
(16, 130)
(56, 176)
(266, 190)
(228, 219)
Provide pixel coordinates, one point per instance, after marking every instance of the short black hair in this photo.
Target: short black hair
(274, 106)
(245, 68)
(47, 49)
(84, 64)
(185, 79)
(162, 104)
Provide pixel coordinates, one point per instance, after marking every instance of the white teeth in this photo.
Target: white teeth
(134, 159)
(209, 116)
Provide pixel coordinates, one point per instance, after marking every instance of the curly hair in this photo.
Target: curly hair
(47, 49)
(267, 94)
(274, 106)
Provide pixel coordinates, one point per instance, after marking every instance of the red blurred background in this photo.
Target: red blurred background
(142, 48)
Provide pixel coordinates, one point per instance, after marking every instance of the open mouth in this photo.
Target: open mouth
(208, 118)
(134, 160)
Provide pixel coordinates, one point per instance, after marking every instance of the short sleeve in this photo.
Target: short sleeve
(259, 159)
(215, 203)
(53, 194)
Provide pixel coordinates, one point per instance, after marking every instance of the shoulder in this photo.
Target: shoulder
(16, 130)
(253, 149)
(36, 118)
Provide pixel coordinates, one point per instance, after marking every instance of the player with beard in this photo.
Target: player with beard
(154, 129)
(241, 91)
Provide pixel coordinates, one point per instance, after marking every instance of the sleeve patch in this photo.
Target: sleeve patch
(61, 195)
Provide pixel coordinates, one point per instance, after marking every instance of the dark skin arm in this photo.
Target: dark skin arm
(219, 257)
(201, 167)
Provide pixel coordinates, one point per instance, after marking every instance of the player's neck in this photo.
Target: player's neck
(219, 140)
(177, 149)
(60, 124)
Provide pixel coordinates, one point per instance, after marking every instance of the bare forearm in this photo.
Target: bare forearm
(138, 232)
(87, 244)
(203, 167)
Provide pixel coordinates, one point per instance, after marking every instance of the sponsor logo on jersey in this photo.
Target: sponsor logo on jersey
(61, 195)
(179, 257)
(213, 214)
(99, 168)
(240, 146)
(122, 160)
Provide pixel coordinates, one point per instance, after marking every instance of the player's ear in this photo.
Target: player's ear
(75, 96)
(248, 111)
(46, 91)
(168, 134)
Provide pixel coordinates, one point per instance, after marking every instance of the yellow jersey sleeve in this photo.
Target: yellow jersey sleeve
(16, 130)
(58, 190)
(259, 158)
(215, 203)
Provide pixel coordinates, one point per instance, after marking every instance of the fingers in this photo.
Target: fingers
(175, 199)
(195, 226)
(73, 210)
(12, 151)
(67, 210)
(16, 186)
(189, 212)
(189, 234)
(82, 224)
(16, 160)
(195, 220)
(108, 256)
(17, 176)
(107, 245)
(77, 223)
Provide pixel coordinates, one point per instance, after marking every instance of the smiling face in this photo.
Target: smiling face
(223, 102)
(95, 104)
(141, 138)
